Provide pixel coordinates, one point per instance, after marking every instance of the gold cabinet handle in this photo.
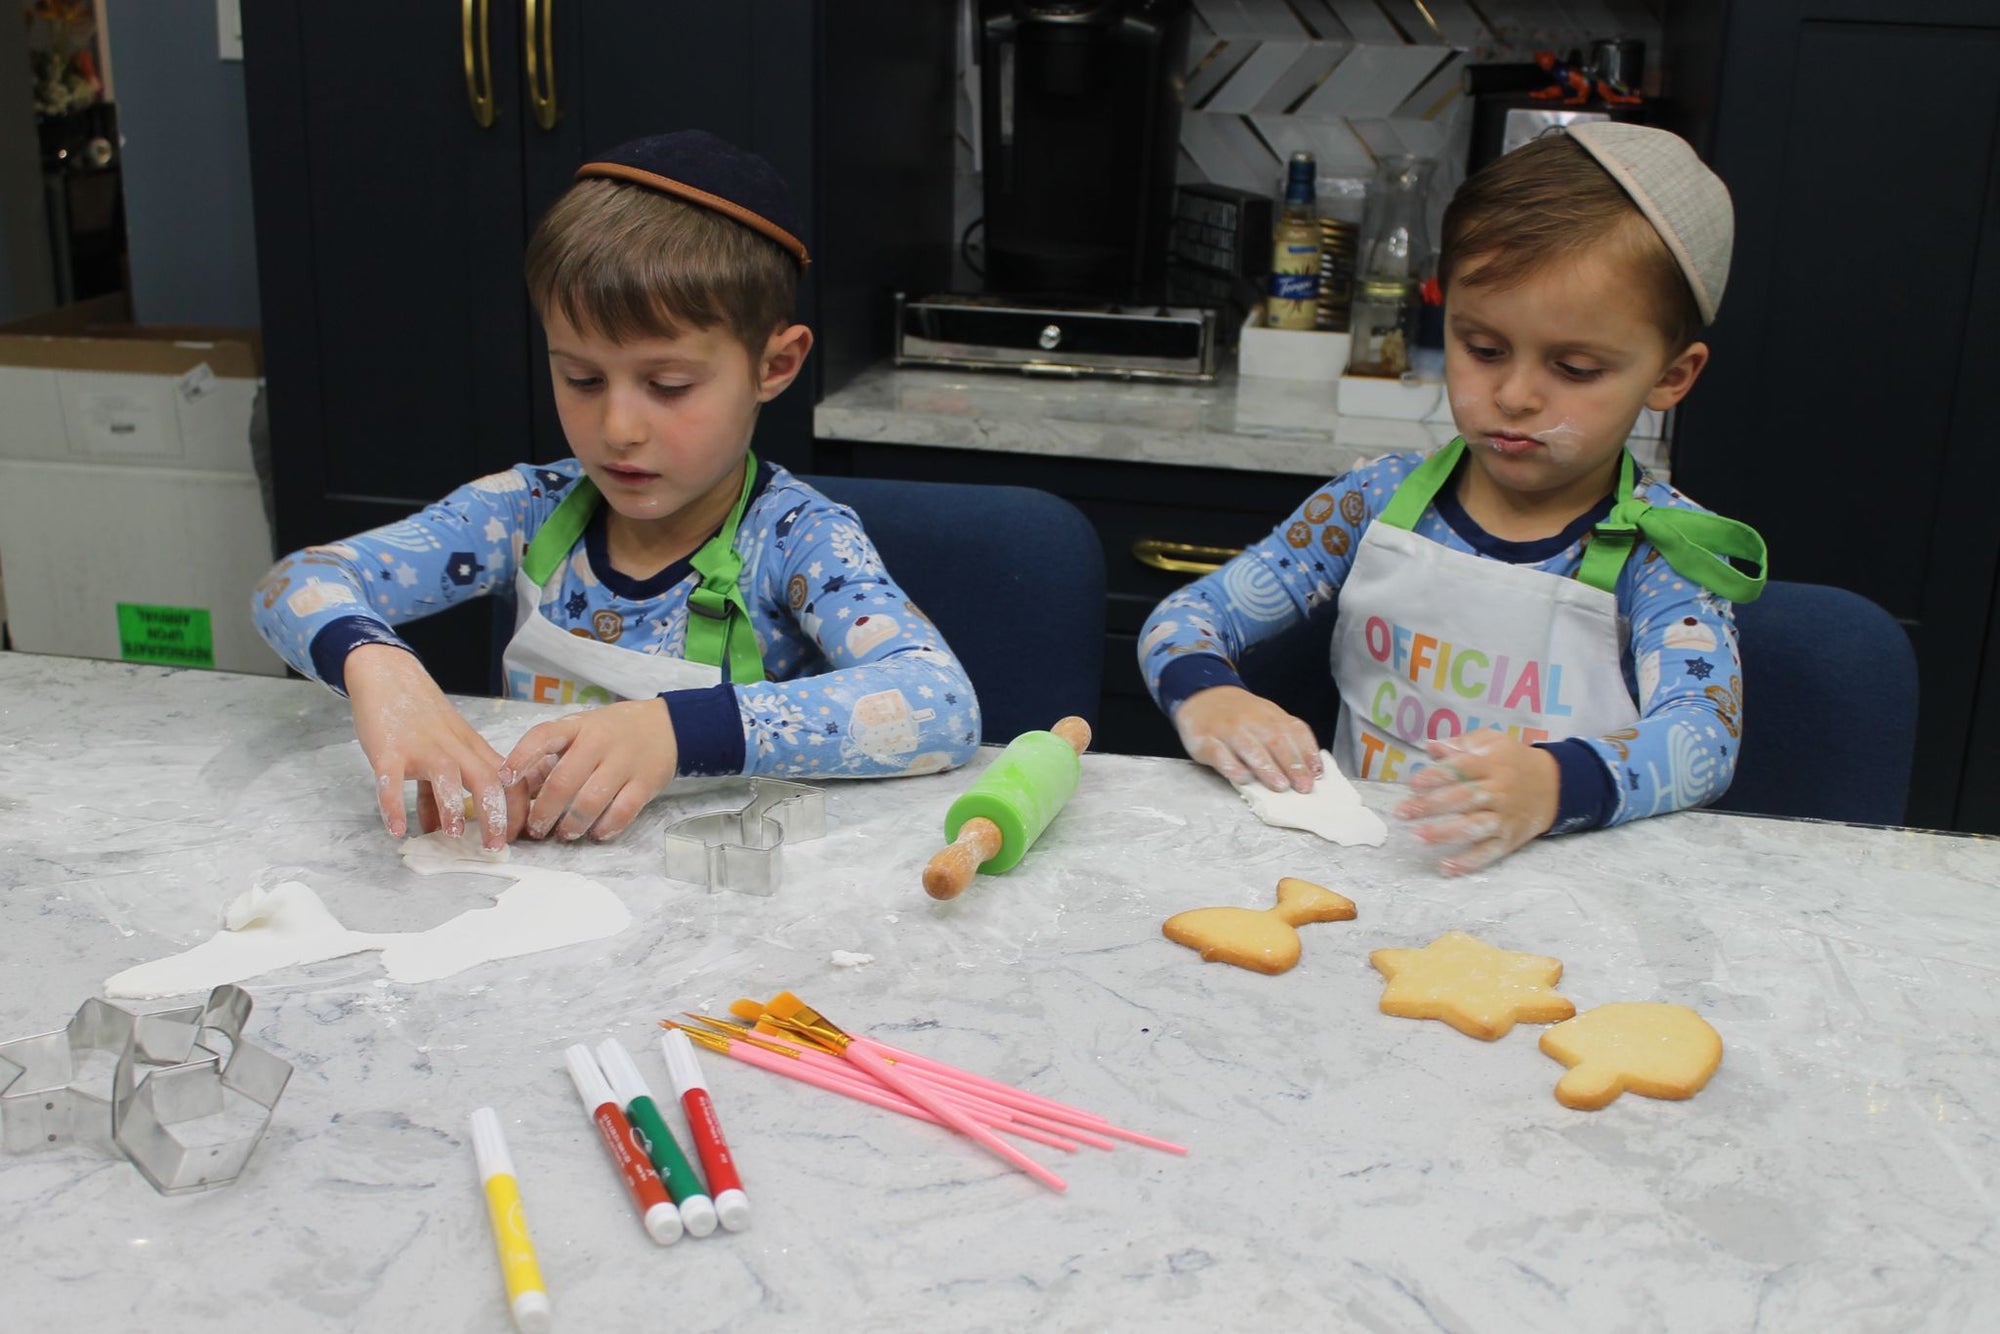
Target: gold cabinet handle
(478, 61)
(1181, 557)
(538, 28)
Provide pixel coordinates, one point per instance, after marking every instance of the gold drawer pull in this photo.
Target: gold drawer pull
(541, 53)
(1181, 557)
(478, 61)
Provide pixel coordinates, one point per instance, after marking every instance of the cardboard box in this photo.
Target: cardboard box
(132, 525)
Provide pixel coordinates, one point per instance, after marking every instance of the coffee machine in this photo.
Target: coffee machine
(1080, 117)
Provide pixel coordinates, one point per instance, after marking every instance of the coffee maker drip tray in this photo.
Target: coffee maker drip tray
(1039, 338)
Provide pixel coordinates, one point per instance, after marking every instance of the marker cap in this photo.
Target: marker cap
(698, 1214)
(489, 1145)
(663, 1224)
(589, 1080)
(531, 1313)
(624, 1076)
(733, 1208)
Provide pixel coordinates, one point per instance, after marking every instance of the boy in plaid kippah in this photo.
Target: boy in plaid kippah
(1532, 632)
(723, 616)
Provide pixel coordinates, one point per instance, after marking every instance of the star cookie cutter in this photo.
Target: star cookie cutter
(738, 849)
(189, 1099)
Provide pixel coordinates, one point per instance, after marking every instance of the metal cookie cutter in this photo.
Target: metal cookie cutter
(189, 1097)
(48, 1096)
(193, 1126)
(738, 849)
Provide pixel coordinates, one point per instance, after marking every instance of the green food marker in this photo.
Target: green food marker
(696, 1209)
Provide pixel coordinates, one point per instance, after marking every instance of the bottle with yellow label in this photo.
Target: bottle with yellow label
(1293, 298)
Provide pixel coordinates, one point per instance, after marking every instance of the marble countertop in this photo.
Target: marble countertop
(1348, 1169)
(1256, 425)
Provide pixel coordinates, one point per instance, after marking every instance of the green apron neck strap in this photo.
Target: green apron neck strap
(1417, 491)
(557, 537)
(719, 632)
(1699, 545)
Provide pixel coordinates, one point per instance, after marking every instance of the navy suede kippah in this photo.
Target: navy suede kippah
(699, 167)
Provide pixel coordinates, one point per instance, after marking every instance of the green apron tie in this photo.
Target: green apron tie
(1697, 544)
(718, 627)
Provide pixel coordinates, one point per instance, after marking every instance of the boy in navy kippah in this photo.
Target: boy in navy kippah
(723, 616)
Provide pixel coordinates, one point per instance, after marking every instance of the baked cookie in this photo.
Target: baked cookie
(1644, 1047)
(1264, 939)
(1474, 987)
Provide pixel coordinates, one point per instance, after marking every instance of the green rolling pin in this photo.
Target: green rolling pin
(999, 817)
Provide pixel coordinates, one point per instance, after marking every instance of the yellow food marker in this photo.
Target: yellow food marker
(1000, 816)
(526, 1297)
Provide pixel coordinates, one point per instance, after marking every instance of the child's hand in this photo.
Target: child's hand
(408, 729)
(608, 763)
(1241, 735)
(1486, 793)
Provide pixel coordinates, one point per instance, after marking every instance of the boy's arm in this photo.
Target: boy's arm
(1682, 751)
(1196, 636)
(318, 605)
(896, 701)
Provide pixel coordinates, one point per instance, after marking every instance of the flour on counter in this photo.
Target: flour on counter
(1333, 809)
(288, 925)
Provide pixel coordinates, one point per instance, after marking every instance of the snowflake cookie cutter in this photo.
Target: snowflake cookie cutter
(739, 849)
(189, 1099)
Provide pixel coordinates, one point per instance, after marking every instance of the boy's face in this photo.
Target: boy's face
(660, 424)
(1546, 377)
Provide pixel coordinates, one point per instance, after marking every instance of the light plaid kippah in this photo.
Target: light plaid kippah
(1687, 203)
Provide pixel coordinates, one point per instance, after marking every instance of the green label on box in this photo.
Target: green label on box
(175, 636)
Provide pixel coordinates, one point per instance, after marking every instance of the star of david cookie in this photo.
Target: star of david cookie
(1476, 988)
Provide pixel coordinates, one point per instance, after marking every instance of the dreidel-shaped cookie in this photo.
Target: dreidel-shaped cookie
(1265, 939)
(1000, 816)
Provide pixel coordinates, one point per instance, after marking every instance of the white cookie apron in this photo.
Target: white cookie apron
(1432, 642)
(551, 666)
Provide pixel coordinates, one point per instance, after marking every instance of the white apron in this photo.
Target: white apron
(550, 666)
(1432, 642)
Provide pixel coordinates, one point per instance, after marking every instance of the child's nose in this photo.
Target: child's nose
(1517, 392)
(624, 422)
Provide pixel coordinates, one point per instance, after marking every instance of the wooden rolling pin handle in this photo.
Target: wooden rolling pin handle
(953, 868)
(1075, 731)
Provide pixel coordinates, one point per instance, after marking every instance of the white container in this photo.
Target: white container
(1289, 354)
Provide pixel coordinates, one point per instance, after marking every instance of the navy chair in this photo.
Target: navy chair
(1830, 708)
(1012, 577)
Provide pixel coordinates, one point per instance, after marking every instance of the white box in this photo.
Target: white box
(1289, 354)
(126, 481)
(1403, 400)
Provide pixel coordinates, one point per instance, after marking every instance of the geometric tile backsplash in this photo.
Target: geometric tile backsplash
(1345, 80)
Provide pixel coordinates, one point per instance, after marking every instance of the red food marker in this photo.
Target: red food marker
(732, 1206)
(649, 1196)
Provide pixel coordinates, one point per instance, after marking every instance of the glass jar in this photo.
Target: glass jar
(1395, 238)
(1383, 326)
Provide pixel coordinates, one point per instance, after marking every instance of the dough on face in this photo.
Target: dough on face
(1643, 1047)
(1333, 809)
(1471, 985)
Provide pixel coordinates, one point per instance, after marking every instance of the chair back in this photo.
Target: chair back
(1829, 707)
(1012, 577)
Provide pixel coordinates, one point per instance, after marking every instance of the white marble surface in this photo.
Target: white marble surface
(1349, 1170)
(1257, 425)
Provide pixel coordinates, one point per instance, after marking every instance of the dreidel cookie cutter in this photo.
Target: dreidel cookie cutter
(186, 1109)
(739, 849)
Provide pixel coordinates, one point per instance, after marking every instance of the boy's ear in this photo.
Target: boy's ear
(1678, 378)
(784, 357)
